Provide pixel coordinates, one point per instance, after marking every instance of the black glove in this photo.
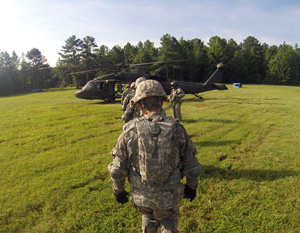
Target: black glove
(189, 193)
(122, 197)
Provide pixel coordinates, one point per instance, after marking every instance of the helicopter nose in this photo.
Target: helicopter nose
(79, 94)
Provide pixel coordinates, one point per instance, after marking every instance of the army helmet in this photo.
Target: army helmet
(133, 86)
(139, 80)
(174, 84)
(149, 88)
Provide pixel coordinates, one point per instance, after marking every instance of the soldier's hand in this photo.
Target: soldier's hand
(189, 193)
(122, 197)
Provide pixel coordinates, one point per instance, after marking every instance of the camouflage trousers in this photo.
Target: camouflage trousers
(152, 219)
(176, 106)
(165, 218)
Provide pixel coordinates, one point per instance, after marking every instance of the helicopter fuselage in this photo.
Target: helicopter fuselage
(109, 87)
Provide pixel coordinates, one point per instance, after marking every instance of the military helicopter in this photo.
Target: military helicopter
(109, 87)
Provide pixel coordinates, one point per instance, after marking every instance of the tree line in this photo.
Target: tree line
(248, 62)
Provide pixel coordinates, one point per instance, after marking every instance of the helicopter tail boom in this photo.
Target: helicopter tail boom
(213, 82)
(220, 86)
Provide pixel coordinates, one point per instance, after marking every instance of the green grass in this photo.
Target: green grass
(55, 149)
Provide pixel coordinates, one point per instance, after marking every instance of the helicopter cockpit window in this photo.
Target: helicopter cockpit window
(98, 86)
(101, 86)
(88, 86)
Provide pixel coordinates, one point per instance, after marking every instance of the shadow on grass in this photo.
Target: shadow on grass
(61, 89)
(193, 100)
(101, 102)
(250, 174)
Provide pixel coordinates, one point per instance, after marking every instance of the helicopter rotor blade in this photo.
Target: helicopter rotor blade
(211, 68)
(215, 58)
(82, 72)
(109, 66)
(144, 64)
(155, 62)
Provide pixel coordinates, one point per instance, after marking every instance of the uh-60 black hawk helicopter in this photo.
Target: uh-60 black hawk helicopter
(109, 87)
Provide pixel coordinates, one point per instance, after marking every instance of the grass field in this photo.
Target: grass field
(55, 149)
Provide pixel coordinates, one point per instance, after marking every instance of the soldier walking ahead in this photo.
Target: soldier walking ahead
(125, 93)
(175, 98)
(154, 152)
(132, 110)
(129, 96)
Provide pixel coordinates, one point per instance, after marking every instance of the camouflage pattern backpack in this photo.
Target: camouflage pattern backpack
(156, 164)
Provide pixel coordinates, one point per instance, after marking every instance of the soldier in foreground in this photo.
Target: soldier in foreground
(154, 152)
(175, 98)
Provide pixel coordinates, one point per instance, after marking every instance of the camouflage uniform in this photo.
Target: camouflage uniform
(125, 93)
(154, 152)
(132, 110)
(129, 96)
(175, 98)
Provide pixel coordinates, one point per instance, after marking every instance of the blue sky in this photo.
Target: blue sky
(45, 25)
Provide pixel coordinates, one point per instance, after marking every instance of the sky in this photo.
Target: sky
(47, 24)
